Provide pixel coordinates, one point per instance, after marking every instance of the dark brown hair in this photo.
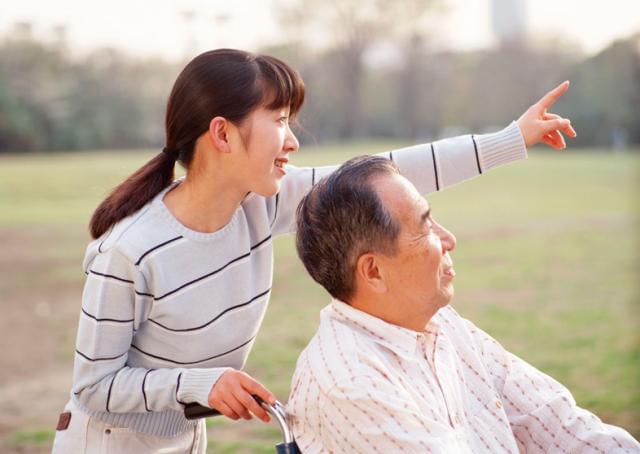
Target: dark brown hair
(342, 218)
(224, 82)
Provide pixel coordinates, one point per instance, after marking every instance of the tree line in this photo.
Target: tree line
(50, 100)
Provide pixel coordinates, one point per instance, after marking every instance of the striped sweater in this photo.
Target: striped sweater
(166, 310)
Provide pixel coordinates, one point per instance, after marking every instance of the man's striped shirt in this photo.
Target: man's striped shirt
(363, 385)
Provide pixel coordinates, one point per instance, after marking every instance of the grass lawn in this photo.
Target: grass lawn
(547, 262)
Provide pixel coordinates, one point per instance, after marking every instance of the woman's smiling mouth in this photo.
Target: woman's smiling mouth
(280, 162)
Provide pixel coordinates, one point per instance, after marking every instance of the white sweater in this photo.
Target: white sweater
(166, 310)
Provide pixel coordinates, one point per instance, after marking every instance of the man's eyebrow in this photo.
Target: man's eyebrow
(425, 216)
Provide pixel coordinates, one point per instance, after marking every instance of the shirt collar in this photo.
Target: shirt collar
(394, 337)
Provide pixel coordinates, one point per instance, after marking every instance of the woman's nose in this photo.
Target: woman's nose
(291, 144)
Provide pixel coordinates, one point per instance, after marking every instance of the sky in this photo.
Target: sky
(161, 28)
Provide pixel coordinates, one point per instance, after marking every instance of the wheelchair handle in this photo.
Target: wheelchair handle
(197, 411)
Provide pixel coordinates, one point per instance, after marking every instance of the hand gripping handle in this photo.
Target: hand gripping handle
(197, 411)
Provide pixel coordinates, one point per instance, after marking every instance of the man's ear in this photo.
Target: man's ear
(219, 134)
(370, 273)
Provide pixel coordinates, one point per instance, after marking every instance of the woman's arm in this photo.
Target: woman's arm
(438, 165)
(114, 304)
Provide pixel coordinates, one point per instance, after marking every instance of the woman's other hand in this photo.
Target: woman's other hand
(539, 125)
(232, 396)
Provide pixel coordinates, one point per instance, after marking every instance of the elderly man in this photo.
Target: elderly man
(394, 368)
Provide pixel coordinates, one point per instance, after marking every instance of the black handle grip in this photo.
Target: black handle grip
(197, 411)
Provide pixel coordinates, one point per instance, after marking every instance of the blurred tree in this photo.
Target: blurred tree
(634, 99)
(377, 80)
(32, 76)
(493, 87)
(356, 27)
(49, 101)
(606, 94)
(421, 84)
(16, 121)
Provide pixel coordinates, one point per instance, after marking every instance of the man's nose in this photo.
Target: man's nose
(447, 239)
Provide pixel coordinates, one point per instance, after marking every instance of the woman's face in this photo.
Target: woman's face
(268, 142)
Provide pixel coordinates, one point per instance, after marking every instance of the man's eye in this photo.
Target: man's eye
(428, 225)
(284, 119)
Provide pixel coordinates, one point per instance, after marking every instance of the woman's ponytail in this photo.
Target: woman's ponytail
(135, 192)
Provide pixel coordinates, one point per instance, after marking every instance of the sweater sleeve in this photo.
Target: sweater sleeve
(114, 304)
(430, 167)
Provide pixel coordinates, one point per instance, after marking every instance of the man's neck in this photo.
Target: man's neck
(390, 312)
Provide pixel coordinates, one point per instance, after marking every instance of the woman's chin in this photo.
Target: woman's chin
(268, 190)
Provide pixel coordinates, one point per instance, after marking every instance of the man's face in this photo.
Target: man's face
(420, 276)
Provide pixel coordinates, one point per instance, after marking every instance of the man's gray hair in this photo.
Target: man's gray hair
(342, 218)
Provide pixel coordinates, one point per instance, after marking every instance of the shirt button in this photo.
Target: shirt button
(456, 419)
(498, 404)
(107, 431)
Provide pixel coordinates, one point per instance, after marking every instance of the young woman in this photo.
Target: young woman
(180, 272)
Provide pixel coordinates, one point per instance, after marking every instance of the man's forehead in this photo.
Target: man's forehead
(391, 189)
(418, 203)
(422, 203)
(402, 198)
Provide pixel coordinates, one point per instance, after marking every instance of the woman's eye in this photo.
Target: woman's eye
(284, 119)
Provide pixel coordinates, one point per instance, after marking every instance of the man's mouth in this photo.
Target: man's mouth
(447, 266)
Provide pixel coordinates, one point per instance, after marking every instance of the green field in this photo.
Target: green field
(547, 261)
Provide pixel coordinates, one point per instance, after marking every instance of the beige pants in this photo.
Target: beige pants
(89, 435)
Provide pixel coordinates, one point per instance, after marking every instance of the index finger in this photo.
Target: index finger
(255, 387)
(551, 97)
(250, 404)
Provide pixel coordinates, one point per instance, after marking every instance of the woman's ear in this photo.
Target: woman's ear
(219, 134)
(370, 273)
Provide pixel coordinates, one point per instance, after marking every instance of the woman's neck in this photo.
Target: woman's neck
(204, 204)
